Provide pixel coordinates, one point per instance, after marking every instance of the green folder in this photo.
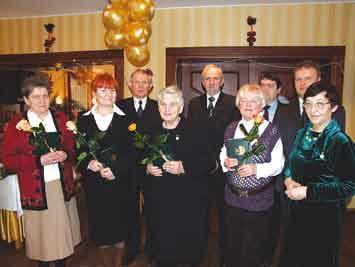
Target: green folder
(237, 149)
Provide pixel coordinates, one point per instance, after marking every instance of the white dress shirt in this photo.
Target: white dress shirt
(272, 168)
(103, 121)
(216, 96)
(51, 171)
(300, 101)
(136, 103)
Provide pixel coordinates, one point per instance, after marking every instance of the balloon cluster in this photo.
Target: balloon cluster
(128, 26)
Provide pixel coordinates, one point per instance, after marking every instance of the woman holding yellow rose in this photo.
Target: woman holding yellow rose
(249, 188)
(179, 186)
(108, 190)
(44, 166)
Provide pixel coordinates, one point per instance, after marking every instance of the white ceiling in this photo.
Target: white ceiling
(29, 8)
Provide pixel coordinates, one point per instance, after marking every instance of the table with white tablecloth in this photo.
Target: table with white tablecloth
(11, 219)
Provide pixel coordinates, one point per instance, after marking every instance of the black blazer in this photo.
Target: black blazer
(148, 123)
(150, 118)
(224, 113)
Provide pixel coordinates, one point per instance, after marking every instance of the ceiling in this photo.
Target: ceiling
(30, 8)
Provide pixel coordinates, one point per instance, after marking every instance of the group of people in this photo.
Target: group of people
(292, 193)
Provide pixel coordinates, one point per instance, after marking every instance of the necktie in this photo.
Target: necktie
(210, 106)
(266, 112)
(140, 109)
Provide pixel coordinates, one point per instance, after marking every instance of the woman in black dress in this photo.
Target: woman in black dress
(179, 188)
(105, 179)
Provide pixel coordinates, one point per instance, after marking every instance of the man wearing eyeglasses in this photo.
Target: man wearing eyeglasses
(143, 111)
(305, 74)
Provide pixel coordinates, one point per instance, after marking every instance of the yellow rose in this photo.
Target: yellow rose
(259, 119)
(71, 126)
(23, 125)
(132, 127)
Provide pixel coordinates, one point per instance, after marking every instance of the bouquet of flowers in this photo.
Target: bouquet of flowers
(92, 145)
(38, 137)
(156, 149)
(244, 148)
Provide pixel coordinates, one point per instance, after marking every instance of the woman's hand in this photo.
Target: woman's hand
(174, 167)
(247, 170)
(61, 155)
(95, 166)
(297, 193)
(107, 174)
(290, 183)
(154, 170)
(50, 158)
(230, 163)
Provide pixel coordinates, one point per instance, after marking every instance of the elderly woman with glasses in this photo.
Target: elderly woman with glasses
(249, 189)
(179, 187)
(320, 176)
(44, 165)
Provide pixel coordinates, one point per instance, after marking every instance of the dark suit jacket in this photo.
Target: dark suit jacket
(295, 121)
(282, 121)
(146, 124)
(150, 118)
(224, 113)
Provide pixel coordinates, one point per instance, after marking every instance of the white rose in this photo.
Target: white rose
(71, 126)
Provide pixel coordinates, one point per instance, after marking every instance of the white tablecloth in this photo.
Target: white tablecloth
(10, 194)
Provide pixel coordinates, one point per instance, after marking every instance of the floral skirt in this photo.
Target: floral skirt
(52, 234)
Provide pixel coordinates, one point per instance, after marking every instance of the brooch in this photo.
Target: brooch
(177, 137)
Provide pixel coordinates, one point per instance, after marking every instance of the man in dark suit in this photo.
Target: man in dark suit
(305, 74)
(214, 110)
(275, 112)
(143, 111)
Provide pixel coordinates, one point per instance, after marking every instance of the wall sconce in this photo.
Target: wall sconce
(50, 39)
(251, 34)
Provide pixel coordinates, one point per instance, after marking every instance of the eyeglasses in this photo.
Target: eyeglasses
(317, 105)
(106, 91)
(38, 97)
(251, 102)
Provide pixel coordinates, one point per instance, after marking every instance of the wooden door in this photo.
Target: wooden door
(247, 64)
(189, 78)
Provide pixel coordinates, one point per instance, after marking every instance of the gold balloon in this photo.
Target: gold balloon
(142, 10)
(115, 39)
(122, 3)
(138, 33)
(114, 17)
(138, 55)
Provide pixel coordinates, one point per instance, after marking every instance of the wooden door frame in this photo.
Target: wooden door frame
(333, 54)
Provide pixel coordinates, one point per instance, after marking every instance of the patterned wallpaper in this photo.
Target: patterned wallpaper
(277, 25)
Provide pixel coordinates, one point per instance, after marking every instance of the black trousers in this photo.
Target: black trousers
(247, 236)
(134, 229)
(216, 199)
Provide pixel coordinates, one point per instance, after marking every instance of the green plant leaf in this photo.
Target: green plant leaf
(82, 156)
(138, 144)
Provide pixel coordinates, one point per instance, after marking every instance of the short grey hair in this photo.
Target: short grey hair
(173, 91)
(251, 88)
(38, 79)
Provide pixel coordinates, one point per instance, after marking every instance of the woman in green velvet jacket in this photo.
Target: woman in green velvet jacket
(320, 176)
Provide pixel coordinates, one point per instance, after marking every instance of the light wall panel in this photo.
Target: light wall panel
(277, 25)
